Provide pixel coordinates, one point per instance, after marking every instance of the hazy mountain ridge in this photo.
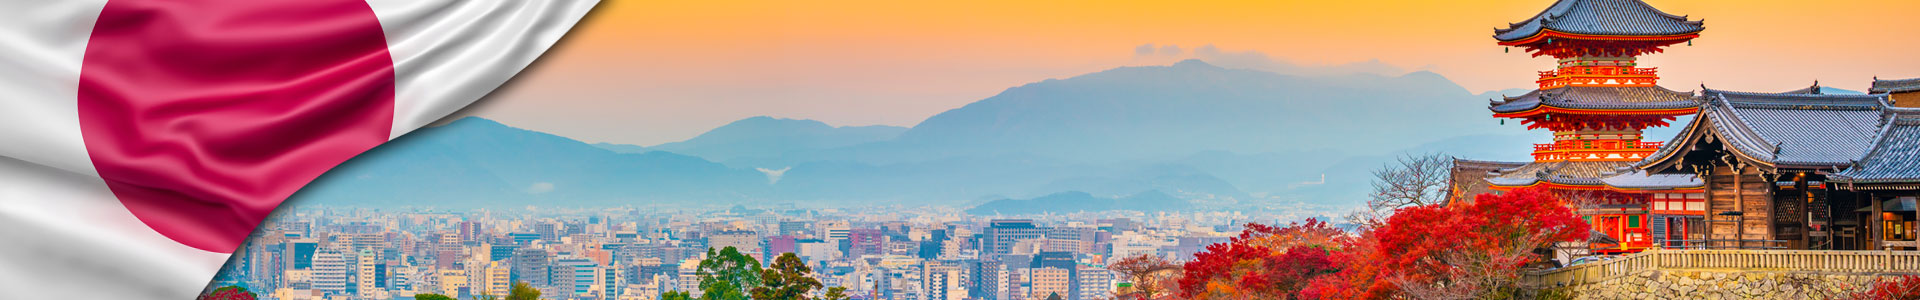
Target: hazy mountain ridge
(474, 161)
(767, 137)
(1194, 131)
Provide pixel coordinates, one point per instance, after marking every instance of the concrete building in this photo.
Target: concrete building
(1050, 281)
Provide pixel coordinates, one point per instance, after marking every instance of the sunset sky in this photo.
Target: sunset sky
(649, 72)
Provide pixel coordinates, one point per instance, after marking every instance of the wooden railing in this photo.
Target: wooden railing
(1743, 260)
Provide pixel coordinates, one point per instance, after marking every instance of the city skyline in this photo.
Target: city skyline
(928, 253)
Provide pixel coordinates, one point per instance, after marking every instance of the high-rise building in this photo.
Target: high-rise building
(991, 281)
(1092, 283)
(575, 276)
(1071, 239)
(747, 242)
(944, 281)
(330, 271)
(834, 230)
(496, 280)
(1061, 260)
(299, 253)
(613, 281)
(863, 242)
(367, 269)
(1050, 281)
(794, 228)
(1001, 235)
(549, 230)
(533, 266)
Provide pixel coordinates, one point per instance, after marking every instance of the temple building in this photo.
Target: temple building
(1801, 169)
(1901, 92)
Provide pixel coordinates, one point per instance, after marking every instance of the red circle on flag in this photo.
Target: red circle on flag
(202, 116)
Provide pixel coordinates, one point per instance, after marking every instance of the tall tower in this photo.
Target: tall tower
(1596, 100)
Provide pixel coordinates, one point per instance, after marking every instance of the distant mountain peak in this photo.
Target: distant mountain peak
(1193, 63)
(476, 121)
(765, 136)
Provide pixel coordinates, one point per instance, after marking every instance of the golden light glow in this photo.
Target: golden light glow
(694, 63)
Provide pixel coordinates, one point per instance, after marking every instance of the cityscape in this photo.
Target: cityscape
(625, 253)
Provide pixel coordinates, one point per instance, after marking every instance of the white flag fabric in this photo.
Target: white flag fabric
(142, 140)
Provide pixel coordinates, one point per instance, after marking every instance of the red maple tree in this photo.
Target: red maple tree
(1264, 262)
(228, 293)
(1470, 250)
(1902, 288)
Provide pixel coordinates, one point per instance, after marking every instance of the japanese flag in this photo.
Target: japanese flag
(142, 140)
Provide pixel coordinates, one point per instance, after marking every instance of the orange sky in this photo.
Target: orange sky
(648, 72)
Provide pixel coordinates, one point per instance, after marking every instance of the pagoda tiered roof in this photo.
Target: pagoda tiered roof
(1799, 129)
(1577, 98)
(1895, 86)
(1895, 157)
(1619, 18)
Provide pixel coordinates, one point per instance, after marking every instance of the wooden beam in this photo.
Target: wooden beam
(1878, 235)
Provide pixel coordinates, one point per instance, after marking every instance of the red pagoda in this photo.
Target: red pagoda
(1596, 101)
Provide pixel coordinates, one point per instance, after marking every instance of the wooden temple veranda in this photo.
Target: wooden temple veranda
(1797, 169)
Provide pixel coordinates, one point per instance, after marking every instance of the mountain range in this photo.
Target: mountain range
(1209, 136)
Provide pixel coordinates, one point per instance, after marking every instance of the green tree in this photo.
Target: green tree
(522, 291)
(786, 280)
(727, 274)
(835, 293)
(1054, 296)
(671, 295)
(431, 296)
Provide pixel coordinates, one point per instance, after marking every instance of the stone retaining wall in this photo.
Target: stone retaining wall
(1730, 284)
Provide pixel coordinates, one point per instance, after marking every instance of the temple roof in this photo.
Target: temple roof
(1486, 164)
(1794, 129)
(1895, 157)
(1587, 97)
(1560, 172)
(1894, 86)
(1600, 17)
(1640, 180)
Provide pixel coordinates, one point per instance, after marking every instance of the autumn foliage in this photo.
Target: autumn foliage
(1149, 274)
(1263, 262)
(228, 293)
(1462, 251)
(1903, 288)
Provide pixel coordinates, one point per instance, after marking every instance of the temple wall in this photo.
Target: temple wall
(1719, 284)
(1726, 274)
(1907, 99)
(1746, 192)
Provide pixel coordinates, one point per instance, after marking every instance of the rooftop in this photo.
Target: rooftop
(1793, 129)
(1560, 172)
(1581, 97)
(1600, 17)
(1895, 157)
(1894, 85)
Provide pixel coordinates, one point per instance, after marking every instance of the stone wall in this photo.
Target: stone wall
(1729, 284)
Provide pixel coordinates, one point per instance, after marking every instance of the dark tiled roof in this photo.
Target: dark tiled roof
(1470, 176)
(1485, 164)
(1895, 157)
(1587, 97)
(1641, 180)
(1894, 85)
(1600, 17)
(1806, 130)
(1565, 172)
